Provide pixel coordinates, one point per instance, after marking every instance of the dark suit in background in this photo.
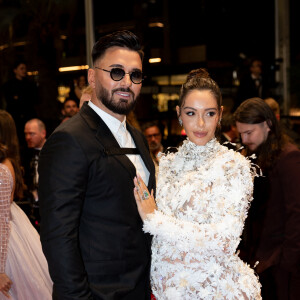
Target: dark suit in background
(91, 231)
(279, 247)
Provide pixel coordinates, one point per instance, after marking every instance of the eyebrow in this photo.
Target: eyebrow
(122, 67)
(188, 107)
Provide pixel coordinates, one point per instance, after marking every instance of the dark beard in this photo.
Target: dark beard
(123, 107)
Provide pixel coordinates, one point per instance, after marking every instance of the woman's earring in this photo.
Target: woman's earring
(180, 121)
(219, 123)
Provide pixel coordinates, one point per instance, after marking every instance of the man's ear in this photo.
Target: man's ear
(91, 77)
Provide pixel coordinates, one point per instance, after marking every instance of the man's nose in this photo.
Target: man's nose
(126, 81)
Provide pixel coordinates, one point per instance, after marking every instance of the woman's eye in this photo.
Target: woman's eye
(211, 113)
(190, 113)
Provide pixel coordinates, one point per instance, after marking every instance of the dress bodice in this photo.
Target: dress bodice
(203, 195)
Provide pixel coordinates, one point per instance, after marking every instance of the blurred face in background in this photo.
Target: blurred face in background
(253, 135)
(256, 68)
(70, 108)
(20, 71)
(35, 136)
(153, 137)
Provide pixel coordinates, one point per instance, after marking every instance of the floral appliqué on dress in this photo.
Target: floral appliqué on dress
(204, 193)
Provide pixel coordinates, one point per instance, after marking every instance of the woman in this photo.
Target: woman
(203, 194)
(23, 267)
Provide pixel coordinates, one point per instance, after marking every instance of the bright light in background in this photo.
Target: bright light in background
(32, 73)
(154, 60)
(73, 68)
(156, 24)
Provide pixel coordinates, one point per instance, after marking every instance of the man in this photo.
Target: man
(272, 228)
(70, 109)
(35, 136)
(253, 84)
(91, 231)
(153, 136)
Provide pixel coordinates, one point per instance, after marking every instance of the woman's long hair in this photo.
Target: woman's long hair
(255, 111)
(9, 148)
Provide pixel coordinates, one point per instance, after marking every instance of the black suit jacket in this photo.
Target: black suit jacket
(91, 231)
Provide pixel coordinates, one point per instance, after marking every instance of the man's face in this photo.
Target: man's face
(70, 108)
(153, 137)
(20, 71)
(116, 97)
(34, 137)
(253, 135)
(256, 68)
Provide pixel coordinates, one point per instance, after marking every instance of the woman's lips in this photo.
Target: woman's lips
(200, 134)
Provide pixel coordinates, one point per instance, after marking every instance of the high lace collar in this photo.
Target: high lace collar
(190, 150)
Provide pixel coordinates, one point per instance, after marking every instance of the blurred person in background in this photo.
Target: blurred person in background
(35, 136)
(229, 136)
(253, 83)
(86, 95)
(153, 135)
(285, 123)
(23, 268)
(21, 98)
(272, 231)
(70, 109)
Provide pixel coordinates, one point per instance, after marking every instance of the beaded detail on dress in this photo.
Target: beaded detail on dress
(203, 195)
(6, 186)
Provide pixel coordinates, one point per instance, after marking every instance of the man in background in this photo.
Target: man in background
(70, 109)
(35, 136)
(21, 98)
(272, 229)
(153, 135)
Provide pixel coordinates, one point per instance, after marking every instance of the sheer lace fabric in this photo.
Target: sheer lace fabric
(203, 196)
(22, 258)
(6, 187)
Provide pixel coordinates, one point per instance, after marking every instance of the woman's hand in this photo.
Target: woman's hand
(5, 284)
(145, 202)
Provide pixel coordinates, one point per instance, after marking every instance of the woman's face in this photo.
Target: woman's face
(200, 116)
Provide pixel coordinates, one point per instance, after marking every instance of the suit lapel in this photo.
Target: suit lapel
(144, 152)
(105, 137)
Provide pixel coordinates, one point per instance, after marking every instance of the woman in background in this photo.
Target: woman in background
(23, 268)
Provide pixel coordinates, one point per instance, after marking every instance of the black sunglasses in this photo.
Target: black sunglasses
(118, 74)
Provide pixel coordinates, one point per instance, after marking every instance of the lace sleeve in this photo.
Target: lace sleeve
(222, 233)
(5, 197)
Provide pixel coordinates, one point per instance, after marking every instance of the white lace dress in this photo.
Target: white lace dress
(203, 195)
(21, 256)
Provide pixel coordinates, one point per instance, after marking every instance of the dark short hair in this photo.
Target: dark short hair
(123, 39)
(70, 99)
(18, 62)
(149, 124)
